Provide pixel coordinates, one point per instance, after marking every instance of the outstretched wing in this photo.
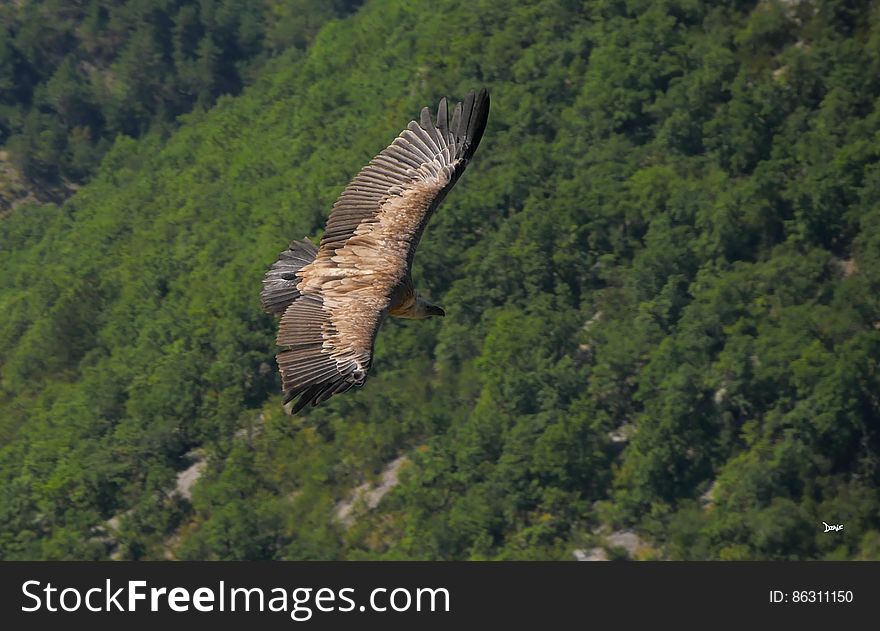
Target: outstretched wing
(409, 178)
(366, 251)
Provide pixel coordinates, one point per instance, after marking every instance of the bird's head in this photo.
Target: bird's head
(434, 310)
(424, 309)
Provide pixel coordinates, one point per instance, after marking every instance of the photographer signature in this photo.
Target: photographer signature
(830, 527)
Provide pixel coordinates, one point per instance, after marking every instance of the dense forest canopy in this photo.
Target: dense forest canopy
(660, 275)
(74, 74)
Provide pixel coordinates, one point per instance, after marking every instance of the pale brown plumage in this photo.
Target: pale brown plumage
(335, 298)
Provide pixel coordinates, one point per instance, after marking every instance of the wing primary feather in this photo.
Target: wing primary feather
(443, 120)
(304, 399)
(477, 123)
(428, 132)
(466, 110)
(425, 119)
(332, 388)
(456, 122)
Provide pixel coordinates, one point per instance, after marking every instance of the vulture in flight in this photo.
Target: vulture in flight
(333, 298)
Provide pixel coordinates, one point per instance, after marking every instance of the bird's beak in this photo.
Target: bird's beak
(434, 310)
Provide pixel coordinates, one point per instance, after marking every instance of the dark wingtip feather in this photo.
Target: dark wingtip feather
(306, 397)
(478, 121)
(469, 125)
(467, 108)
(456, 121)
(299, 405)
(443, 119)
(425, 119)
(317, 394)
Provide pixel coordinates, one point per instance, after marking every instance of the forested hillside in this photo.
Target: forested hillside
(660, 275)
(74, 74)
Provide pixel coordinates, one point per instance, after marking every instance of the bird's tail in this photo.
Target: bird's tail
(279, 285)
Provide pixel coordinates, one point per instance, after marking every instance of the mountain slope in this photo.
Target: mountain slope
(659, 273)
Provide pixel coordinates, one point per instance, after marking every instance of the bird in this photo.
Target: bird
(333, 298)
